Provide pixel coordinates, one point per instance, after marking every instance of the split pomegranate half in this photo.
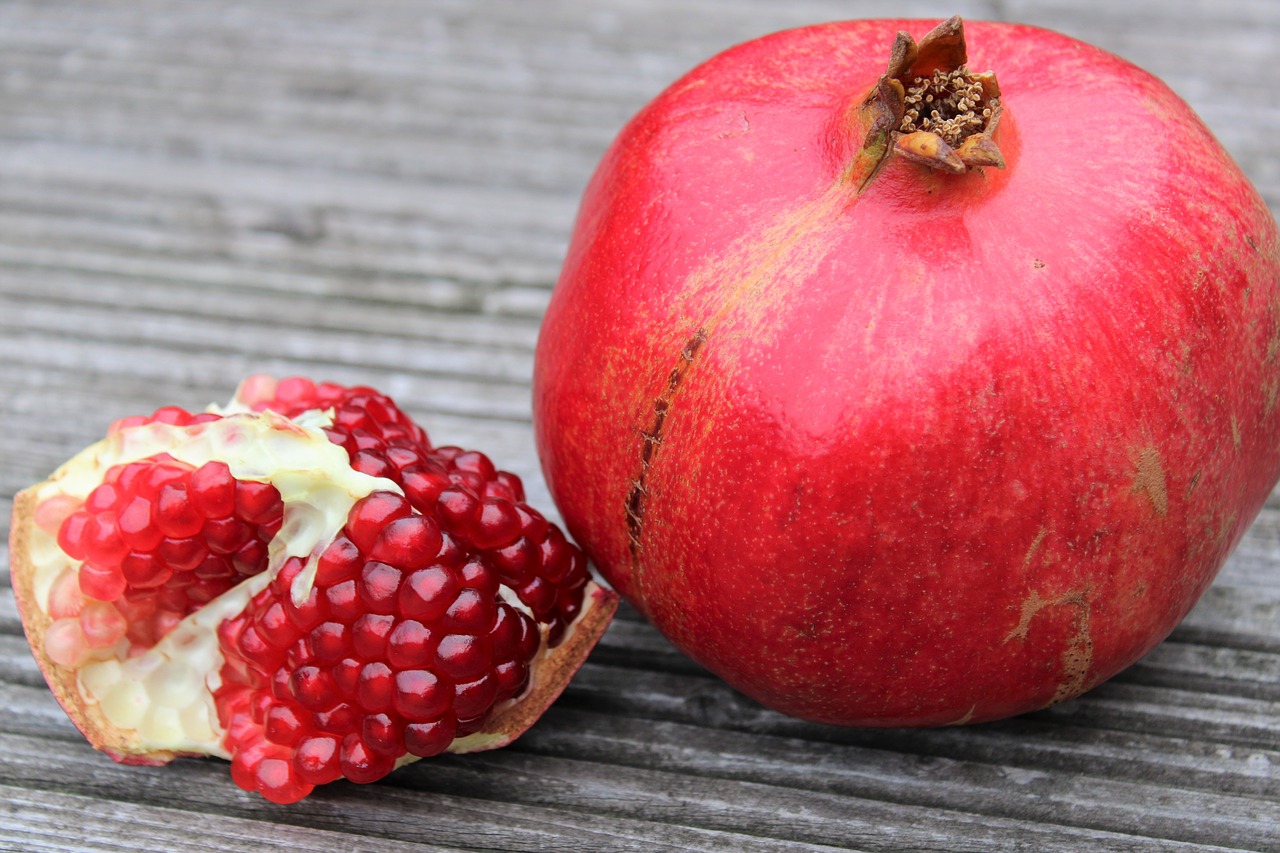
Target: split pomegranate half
(298, 582)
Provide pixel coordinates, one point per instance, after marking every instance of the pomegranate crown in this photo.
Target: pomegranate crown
(930, 108)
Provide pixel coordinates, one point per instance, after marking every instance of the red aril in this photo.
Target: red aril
(913, 384)
(237, 583)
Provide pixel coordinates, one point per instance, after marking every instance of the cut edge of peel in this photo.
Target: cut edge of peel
(550, 671)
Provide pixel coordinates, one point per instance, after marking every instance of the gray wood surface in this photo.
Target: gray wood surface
(381, 191)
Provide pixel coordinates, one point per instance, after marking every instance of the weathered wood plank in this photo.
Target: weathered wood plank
(381, 192)
(32, 821)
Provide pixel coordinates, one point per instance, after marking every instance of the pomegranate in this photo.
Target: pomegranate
(913, 383)
(298, 582)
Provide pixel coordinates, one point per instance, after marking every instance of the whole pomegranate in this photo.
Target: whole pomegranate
(912, 383)
(299, 582)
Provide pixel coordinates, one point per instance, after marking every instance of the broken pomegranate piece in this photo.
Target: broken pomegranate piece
(300, 583)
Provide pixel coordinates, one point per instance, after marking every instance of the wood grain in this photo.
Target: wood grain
(381, 192)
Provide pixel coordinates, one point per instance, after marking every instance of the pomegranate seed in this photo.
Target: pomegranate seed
(346, 675)
(432, 738)
(102, 584)
(175, 515)
(226, 535)
(316, 759)
(344, 602)
(370, 633)
(372, 513)
(420, 696)
(512, 677)
(383, 735)
(71, 535)
(274, 627)
(458, 509)
(498, 524)
(275, 780)
(427, 593)
(310, 613)
(251, 558)
(472, 612)
(423, 487)
(102, 499)
(144, 571)
(462, 656)
(339, 720)
(182, 555)
(477, 576)
(473, 698)
(101, 624)
(539, 595)
(330, 642)
(408, 543)
(103, 545)
(283, 725)
(476, 463)
(53, 511)
(556, 556)
(376, 687)
(313, 687)
(64, 643)
(516, 562)
(506, 632)
(410, 645)
(213, 490)
(362, 765)
(378, 587)
(244, 765)
(65, 597)
(257, 503)
(171, 415)
(341, 560)
(532, 524)
(136, 528)
(529, 637)
(295, 389)
(154, 475)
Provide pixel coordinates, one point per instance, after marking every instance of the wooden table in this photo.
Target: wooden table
(381, 191)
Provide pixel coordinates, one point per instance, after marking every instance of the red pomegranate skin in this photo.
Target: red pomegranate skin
(943, 450)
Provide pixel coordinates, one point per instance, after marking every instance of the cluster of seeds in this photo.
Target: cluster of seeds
(948, 103)
(425, 612)
(157, 539)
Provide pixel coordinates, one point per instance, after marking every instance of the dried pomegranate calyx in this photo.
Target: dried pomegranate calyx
(930, 108)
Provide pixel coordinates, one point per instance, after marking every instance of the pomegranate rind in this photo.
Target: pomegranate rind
(123, 745)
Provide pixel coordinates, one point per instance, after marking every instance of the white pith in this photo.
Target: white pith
(164, 696)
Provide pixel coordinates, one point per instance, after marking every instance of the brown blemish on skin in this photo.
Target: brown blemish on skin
(1149, 479)
(1235, 431)
(1035, 547)
(1078, 655)
(651, 439)
(1038, 264)
(964, 720)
